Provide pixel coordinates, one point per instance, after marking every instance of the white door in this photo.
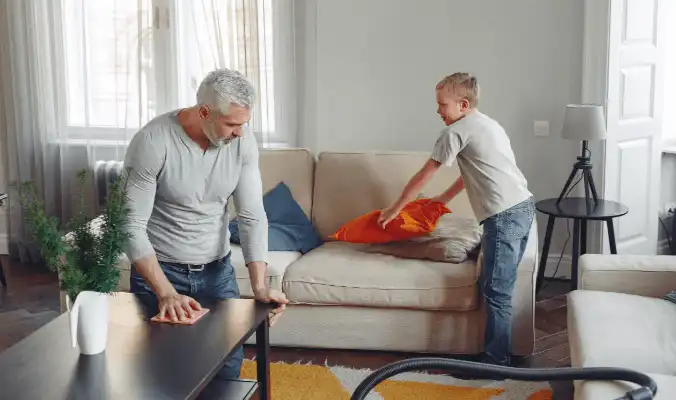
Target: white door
(634, 111)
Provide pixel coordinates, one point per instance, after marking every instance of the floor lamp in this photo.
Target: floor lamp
(583, 122)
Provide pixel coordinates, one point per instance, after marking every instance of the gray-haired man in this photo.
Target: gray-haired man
(184, 165)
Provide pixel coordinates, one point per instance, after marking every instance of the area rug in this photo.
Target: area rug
(313, 382)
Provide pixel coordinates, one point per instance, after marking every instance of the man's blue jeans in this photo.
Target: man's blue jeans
(216, 281)
(504, 242)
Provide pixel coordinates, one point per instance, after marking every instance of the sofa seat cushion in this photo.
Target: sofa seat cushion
(339, 273)
(278, 262)
(609, 329)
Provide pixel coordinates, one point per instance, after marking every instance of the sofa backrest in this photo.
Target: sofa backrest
(348, 185)
(294, 167)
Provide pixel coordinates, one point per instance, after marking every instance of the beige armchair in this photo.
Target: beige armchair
(617, 318)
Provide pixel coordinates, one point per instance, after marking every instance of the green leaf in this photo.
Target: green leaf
(85, 259)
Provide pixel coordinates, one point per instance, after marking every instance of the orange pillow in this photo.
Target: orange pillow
(417, 218)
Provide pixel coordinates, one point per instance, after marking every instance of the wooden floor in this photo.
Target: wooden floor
(31, 300)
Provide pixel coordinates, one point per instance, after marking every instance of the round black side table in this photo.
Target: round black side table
(580, 210)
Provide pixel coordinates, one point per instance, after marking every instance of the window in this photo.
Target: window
(127, 61)
(109, 64)
(231, 34)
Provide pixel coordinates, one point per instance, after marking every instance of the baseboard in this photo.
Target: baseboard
(4, 243)
(565, 266)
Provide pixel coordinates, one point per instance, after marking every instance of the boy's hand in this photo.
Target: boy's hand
(386, 216)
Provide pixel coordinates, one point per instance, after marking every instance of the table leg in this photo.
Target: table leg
(263, 360)
(576, 253)
(545, 252)
(583, 237)
(611, 236)
(2, 275)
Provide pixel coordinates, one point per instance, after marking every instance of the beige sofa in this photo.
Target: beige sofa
(344, 298)
(617, 318)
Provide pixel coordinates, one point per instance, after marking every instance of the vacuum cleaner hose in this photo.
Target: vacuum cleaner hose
(646, 390)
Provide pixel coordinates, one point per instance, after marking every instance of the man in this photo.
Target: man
(183, 167)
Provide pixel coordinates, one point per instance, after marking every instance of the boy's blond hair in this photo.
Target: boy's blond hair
(462, 84)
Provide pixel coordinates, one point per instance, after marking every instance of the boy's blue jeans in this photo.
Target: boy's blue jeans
(504, 242)
(216, 281)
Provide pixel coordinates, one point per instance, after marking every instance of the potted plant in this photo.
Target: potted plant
(85, 258)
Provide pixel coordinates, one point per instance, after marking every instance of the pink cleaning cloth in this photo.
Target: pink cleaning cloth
(196, 316)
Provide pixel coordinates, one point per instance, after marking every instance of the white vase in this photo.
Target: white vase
(89, 322)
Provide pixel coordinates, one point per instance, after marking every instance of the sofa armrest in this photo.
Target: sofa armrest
(650, 276)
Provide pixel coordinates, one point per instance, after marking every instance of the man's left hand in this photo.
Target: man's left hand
(272, 296)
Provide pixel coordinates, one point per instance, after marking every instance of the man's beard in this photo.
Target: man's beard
(210, 133)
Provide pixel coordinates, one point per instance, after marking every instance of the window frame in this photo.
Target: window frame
(168, 91)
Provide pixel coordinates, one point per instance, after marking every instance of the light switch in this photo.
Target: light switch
(541, 128)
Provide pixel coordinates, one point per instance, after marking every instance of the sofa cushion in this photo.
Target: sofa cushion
(622, 330)
(278, 262)
(417, 218)
(339, 273)
(348, 185)
(454, 240)
(289, 229)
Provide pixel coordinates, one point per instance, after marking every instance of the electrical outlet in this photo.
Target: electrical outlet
(541, 128)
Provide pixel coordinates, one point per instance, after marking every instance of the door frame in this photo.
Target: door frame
(595, 54)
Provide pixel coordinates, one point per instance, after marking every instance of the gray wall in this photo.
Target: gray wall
(369, 70)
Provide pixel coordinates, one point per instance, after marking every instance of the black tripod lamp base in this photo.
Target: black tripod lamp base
(583, 165)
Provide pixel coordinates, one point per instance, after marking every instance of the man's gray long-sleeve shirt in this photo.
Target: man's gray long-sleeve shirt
(178, 196)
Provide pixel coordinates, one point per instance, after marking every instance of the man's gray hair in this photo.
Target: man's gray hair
(223, 87)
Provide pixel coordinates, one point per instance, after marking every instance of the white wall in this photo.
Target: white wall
(369, 70)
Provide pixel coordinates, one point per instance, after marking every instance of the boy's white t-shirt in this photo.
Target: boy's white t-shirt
(486, 161)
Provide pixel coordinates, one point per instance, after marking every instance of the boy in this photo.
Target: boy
(497, 191)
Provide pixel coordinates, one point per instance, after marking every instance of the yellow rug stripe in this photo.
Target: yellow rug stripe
(299, 382)
(312, 382)
(402, 390)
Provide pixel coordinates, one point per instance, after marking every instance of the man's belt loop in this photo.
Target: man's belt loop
(195, 267)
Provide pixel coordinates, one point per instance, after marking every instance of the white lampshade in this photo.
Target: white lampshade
(584, 122)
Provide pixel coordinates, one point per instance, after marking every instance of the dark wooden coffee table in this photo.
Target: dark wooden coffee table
(143, 360)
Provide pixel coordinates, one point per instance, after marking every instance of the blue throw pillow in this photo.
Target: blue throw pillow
(289, 229)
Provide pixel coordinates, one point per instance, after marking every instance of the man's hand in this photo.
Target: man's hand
(266, 295)
(386, 216)
(178, 307)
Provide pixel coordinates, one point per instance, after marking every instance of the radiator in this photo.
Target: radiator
(105, 173)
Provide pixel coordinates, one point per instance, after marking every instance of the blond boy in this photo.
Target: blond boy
(498, 193)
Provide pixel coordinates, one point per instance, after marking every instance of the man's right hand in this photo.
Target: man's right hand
(177, 307)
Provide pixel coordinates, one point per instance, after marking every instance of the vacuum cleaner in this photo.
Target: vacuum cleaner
(646, 391)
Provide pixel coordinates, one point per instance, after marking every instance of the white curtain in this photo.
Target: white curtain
(78, 78)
